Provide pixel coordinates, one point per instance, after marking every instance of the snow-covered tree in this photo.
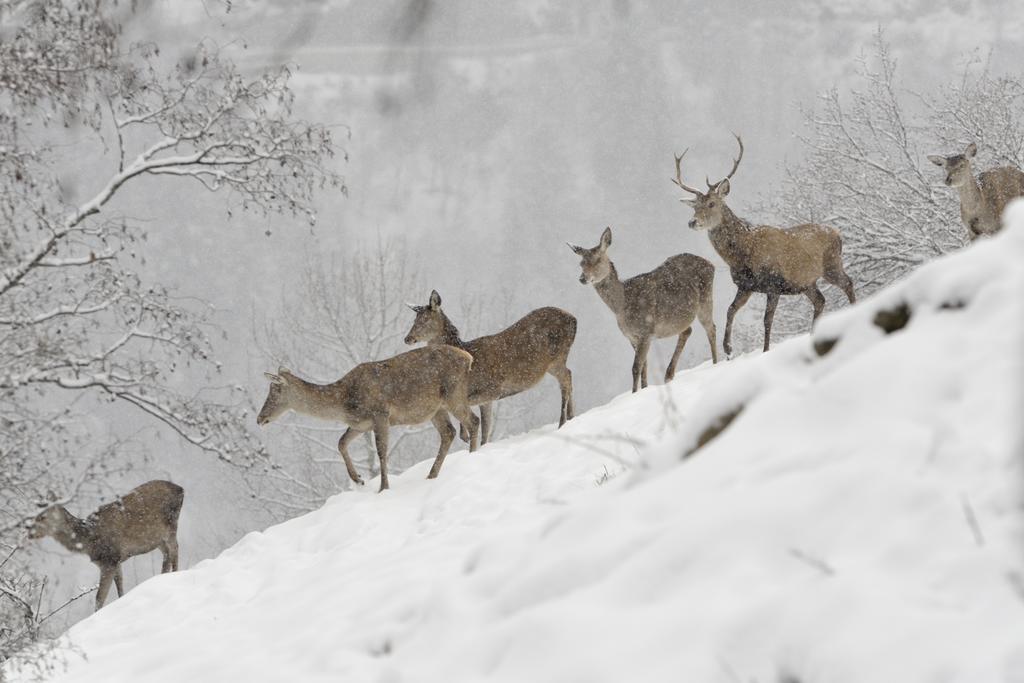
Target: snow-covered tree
(85, 119)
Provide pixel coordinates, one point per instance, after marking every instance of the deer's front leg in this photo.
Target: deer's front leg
(742, 296)
(640, 363)
(106, 577)
(343, 443)
(380, 434)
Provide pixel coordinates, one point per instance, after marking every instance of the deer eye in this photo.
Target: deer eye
(711, 205)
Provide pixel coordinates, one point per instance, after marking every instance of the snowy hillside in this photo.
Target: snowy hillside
(858, 520)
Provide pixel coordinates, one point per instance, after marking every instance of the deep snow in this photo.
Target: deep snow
(859, 520)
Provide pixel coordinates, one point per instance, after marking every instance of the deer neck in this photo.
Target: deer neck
(76, 535)
(729, 238)
(449, 335)
(612, 291)
(315, 400)
(972, 204)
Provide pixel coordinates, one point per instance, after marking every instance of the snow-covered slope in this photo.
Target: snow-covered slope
(860, 519)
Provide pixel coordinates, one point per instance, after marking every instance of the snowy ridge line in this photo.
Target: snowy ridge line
(860, 519)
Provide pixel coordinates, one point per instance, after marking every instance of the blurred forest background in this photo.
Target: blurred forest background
(477, 137)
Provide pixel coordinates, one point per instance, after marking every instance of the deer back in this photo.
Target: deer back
(789, 261)
(999, 186)
(411, 386)
(136, 523)
(516, 358)
(666, 298)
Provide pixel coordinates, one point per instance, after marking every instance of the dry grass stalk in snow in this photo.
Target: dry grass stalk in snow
(407, 389)
(144, 519)
(763, 258)
(660, 303)
(509, 362)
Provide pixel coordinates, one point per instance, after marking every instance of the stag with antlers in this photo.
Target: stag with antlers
(762, 258)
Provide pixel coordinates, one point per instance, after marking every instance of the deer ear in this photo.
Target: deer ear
(937, 160)
(274, 379)
(578, 250)
(606, 238)
(692, 203)
(723, 188)
(435, 300)
(971, 150)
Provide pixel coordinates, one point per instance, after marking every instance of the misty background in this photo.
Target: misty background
(479, 137)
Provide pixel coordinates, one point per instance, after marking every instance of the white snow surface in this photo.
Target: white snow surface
(860, 520)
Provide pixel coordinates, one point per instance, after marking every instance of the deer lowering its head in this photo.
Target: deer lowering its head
(144, 519)
(657, 304)
(981, 201)
(509, 362)
(407, 389)
(765, 259)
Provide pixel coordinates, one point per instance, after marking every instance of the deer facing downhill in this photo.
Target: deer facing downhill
(142, 520)
(509, 362)
(407, 389)
(657, 304)
(766, 259)
(981, 201)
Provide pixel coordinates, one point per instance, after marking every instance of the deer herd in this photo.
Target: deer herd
(448, 375)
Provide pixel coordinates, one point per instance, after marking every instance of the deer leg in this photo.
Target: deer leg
(343, 443)
(769, 315)
(470, 421)
(706, 316)
(106, 576)
(486, 421)
(371, 454)
(670, 373)
(380, 434)
(119, 581)
(447, 433)
(835, 275)
(640, 363)
(742, 296)
(817, 300)
(564, 377)
(170, 551)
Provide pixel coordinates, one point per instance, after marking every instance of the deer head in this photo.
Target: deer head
(595, 263)
(429, 322)
(48, 522)
(708, 207)
(958, 166)
(280, 399)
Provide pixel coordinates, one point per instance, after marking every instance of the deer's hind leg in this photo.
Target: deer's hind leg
(706, 316)
(564, 376)
(447, 433)
(469, 421)
(670, 373)
(817, 300)
(169, 548)
(119, 581)
(836, 275)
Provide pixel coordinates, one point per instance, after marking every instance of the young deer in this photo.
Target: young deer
(981, 201)
(506, 363)
(657, 304)
(407, 389)
(142, 520)
(766, 259)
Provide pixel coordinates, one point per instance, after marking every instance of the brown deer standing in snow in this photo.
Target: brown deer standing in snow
(981, 201)
(142, 520)
(506, 363)
(407, 389)
(766, 259)
(657, 304)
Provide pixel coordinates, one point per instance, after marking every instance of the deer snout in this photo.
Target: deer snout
(583, 279)
(409, 339)
(261, 420)
(693, 223)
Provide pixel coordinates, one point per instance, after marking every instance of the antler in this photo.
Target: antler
(735, 165)
(678, 180)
